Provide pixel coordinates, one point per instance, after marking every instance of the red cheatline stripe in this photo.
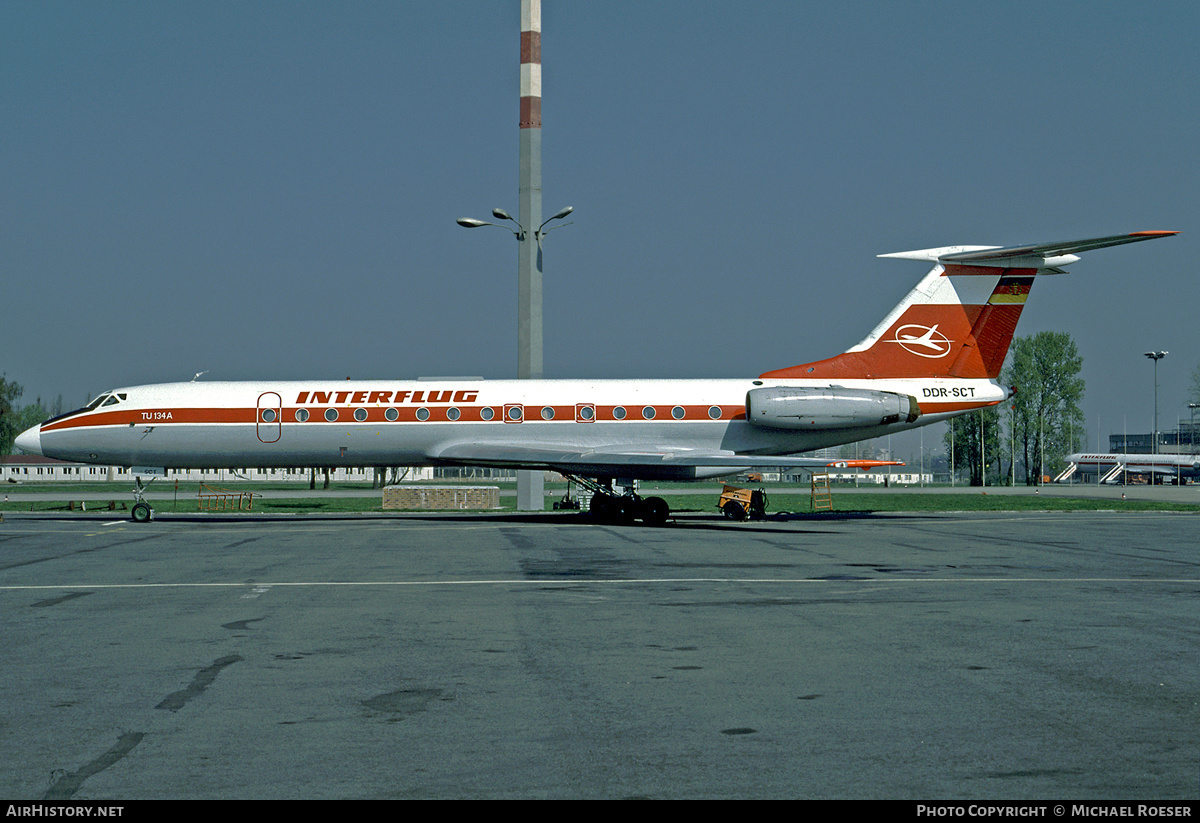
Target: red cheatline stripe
(156, 417)
(376, 414)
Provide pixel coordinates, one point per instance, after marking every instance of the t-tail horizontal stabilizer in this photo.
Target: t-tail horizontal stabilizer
(1038, 255)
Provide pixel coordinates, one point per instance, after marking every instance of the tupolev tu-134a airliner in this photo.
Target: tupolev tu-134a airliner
(937, 354)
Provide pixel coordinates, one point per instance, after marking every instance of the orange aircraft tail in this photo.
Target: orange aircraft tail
(960, 319)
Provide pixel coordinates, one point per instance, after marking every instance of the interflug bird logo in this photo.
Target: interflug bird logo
(923, 341)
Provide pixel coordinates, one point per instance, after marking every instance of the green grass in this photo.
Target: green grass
(188, 505)
(782, 499)
(121, 488)
(868, 502)
(331, 505)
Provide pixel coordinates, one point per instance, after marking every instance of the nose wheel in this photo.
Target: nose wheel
(141, 511)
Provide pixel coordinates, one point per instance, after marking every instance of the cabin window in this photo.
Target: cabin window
(452, 413)
(515, 413)
(331, 415)
(677, 412)
(301, 415)
(547, 413)
(392, 414)
(360, 415)
(714, 412)
(422, 413)
(268, 415)
(487, 413)
(648, 412)
(619, 412)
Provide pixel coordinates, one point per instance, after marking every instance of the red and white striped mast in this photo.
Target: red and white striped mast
(529, 270)
(530, 488)
(530, 484)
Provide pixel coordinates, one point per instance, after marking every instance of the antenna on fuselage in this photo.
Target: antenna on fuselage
(197, 375)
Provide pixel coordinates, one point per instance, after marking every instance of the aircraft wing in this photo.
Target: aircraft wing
(635, 460)
(1150, 468)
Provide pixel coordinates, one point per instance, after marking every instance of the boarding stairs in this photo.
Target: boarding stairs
(1067, 473)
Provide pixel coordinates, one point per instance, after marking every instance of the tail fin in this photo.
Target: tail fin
(960, 319)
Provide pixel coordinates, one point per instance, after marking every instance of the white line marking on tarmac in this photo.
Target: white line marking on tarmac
(567, 584)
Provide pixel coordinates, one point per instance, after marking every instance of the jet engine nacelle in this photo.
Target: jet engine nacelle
(835, 408)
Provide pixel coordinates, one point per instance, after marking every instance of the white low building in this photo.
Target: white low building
(21, 468)
(881, 478)
(862, 478)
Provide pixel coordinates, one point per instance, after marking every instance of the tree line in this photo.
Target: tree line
(15, 419)
(1028, 437)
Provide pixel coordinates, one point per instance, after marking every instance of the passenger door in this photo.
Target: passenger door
(268, 422)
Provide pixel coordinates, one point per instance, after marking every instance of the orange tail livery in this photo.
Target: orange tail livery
(960, 319)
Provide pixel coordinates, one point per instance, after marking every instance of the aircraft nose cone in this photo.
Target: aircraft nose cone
(30, 441)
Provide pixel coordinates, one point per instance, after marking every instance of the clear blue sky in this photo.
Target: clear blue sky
(268, 190)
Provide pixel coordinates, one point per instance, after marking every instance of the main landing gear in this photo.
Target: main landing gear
(623, 504)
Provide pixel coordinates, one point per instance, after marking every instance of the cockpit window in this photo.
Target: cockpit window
(109, 398)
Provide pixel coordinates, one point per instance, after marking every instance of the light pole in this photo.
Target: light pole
(530, 488)
(982, 453)
(1012, 444)
(1192, 426)
(1156, 356)
(952, 466)
(529, 286)
(530, 494)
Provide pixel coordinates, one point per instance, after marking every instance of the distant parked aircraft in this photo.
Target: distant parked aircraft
(1110, 466)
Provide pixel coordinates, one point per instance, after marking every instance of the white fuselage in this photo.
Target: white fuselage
(382, 422)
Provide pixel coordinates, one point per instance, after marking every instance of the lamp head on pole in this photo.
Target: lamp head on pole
(561, 213)
(472, 223)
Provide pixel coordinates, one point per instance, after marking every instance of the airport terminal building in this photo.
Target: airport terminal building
(1181, 441)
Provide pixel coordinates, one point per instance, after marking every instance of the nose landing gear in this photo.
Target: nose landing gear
(141, 511)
